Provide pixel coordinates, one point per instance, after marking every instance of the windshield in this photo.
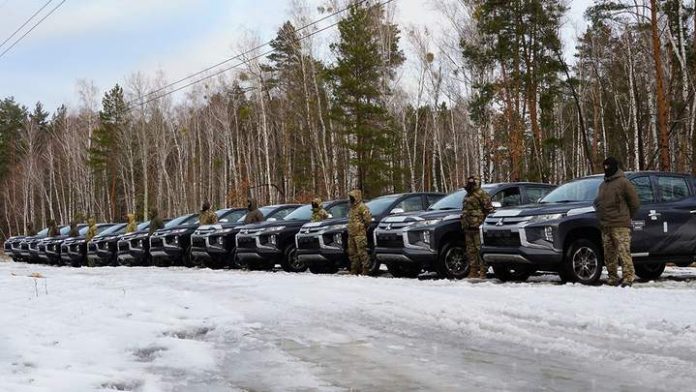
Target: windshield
(585, 189)
(42, 233)
(454, 201)
(302, 213)
(115, 229)
(232, 215)
(64, 230)
(264, 210)
(143, 226)
(379, 205)
(182, 220)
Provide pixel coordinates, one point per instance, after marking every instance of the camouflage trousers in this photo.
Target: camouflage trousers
(357, 254)
(617, 249)
(472, 241)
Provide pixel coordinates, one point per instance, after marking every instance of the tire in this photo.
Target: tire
(583, 263)
(513, 273)
(290, 261)
(649, 271)
(404, 270)
(452, 262)
(323, 269)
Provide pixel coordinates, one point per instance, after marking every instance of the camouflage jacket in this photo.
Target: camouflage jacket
(91, 232)
(477, 205)
(319, 214)
(359, 216)
(156, 223)
(207, 217)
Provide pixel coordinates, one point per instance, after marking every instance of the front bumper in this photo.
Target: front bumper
(313, 251)
(259, 253)
(394, 246)
(517, 248)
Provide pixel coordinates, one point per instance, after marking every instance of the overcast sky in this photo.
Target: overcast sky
(106, 40)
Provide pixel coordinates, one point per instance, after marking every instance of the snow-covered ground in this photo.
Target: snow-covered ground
(148, 329)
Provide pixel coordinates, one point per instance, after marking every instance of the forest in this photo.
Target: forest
(496, 96)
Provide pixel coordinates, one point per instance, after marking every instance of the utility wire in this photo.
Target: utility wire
(54, 9)
(241, 55)
(25, 22)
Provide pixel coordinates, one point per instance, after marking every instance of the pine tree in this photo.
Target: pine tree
(367, 57)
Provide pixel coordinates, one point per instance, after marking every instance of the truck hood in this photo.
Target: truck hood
(267, 224)
(573, 208)
(422, 215)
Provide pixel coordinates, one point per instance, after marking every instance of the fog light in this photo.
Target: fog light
(548, 233)
(426, 237)
(219, 241)
(338, 239)
(176, 240)
(272, 239)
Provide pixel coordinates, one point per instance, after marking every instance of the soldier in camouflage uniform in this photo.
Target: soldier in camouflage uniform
(92, 230)
(207, 217)
(132, 224)
(156, 222)
(73, 229)
(477, 205)
(616, 203)
(254, 215)
(318, 212)
(53, 228)
(30, 230)
(359, 219)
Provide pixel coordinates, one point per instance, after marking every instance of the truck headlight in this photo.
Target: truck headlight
(545, 218)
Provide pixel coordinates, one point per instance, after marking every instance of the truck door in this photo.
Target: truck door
(647, 223)
(677, 208)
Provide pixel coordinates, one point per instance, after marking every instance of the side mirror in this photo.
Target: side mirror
(272, 219)
(497, 204)
(397, 211)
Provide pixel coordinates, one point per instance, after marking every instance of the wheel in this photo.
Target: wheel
(452, 261)
(650, 271)
(323, 269)
(404, 270)
(583, 263)
(291, 263)
(513, 273)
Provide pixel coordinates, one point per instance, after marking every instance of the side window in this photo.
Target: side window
(644, 189)
(413, 203)
(338, 211)
(672, 188)
(536, 193)
(432, 199)
(282, 213)
(508, 197)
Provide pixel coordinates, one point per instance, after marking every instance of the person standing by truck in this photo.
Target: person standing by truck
(616, 203)
(318, 212)
(156, 222)
(359, 219)
(207, 217)
(254, 215)
(132, 224)
(477, 205)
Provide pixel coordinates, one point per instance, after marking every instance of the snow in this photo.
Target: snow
(149, 329)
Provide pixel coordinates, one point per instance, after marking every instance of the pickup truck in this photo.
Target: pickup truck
(73, 250)
(433, 240)
(263, 245)
(323, 245)
(215, 245)
(562, 233)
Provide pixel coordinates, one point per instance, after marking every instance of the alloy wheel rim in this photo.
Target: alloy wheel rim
(585, 263)
(455, 260)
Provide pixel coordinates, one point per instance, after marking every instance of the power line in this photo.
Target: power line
(247, 52)
(54, 9)
(25, 22)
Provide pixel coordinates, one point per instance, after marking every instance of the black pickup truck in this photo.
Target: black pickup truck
(9, 251)
(215, 245)
(263, 245)
(102, 250)
(433, 240)
(172, 245)
(323, 245)
(48, 249)
(73, 250)
(134, 248)
(562, 233)
(23, 248)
